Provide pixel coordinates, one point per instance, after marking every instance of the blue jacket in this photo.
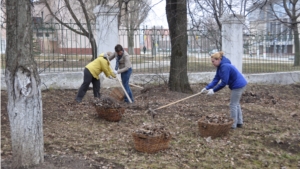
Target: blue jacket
(228, 75)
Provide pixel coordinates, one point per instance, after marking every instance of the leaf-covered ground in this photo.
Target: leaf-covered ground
(75, 137)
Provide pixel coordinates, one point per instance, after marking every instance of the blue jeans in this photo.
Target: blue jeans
(235, 107)
(125, 81)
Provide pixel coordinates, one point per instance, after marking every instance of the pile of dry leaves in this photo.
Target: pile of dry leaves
(153, 130)
(215, 118)
(107, 103)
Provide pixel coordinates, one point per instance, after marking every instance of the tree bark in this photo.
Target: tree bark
(130, 36)
(177, 19)
(297, 47)
(23, 87)
(94, 47)
(130, 28)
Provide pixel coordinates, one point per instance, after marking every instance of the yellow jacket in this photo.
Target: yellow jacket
(100, 65)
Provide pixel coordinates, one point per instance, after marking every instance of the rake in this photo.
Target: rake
(153, 113)
(120, 83)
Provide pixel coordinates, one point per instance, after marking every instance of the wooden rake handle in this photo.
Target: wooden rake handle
(120, 83)
(178, 101)
(136, 86)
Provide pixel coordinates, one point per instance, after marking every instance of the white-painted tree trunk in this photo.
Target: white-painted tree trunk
(23, 87)
(25, 116)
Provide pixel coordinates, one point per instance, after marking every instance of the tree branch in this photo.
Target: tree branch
(86, 16)
(58, 20)
(75, 18)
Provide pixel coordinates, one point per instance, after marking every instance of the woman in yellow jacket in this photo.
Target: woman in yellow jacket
(91, 74)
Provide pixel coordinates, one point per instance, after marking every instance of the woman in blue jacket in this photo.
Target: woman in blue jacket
(229, 75)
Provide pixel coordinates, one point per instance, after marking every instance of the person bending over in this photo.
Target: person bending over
(230, 76)
(91, 75)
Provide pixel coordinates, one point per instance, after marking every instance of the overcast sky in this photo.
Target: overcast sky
(157, 15)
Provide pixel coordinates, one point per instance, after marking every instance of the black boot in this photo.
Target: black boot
(239, 125)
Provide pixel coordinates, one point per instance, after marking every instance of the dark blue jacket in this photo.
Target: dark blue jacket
(228, 75)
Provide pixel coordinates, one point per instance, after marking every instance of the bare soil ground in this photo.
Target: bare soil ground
(75, 136)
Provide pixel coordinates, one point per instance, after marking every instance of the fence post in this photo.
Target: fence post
(107, 34)
(232, 39)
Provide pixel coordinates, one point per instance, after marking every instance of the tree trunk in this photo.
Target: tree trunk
(120, 3)
(177, 20)
(94, 47)
(23, 87)
(130, 36)
(297, 47)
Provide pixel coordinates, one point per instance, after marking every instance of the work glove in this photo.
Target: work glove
(105, 55)
(203, 90)
(109, 53)
(113, 75)
(115, 72)
(210, 92)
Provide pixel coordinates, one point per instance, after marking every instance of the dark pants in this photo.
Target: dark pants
(87, 79)
(125, 81)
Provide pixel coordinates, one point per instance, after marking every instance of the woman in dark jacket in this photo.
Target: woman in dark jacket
(229, 75)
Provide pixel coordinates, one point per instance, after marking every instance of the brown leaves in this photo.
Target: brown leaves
(215, 118)
(152, 129)
(76, 129)
(106, 102)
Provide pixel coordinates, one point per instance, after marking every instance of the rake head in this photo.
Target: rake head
(151, 112)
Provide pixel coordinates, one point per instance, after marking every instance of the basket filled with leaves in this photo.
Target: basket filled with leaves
(108, 109)
(214, 125)
(151, 138)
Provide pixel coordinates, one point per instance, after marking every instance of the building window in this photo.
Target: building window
(47, 34)
(37, 20)
(39, 34)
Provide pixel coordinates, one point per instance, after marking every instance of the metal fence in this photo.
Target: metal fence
(57, 49)
(269, 53)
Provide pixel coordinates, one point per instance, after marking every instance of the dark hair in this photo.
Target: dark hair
(118, 48)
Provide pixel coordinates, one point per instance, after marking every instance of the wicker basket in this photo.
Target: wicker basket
(110, 114)
(117, 93)
(213, 129)
(150, 144)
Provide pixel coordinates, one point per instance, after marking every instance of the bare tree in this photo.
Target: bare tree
(3, 12)
(132, 14)
(136, 12)
(289, 9)
(23, 87)
(177, 19)
(74, 7)
(205, 15)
